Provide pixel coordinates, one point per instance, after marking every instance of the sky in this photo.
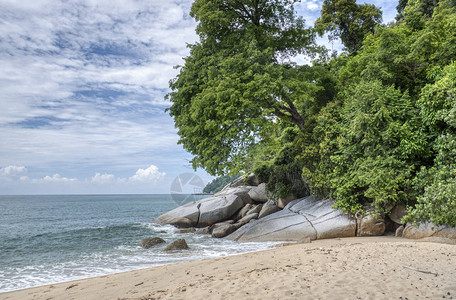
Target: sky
(82, 86)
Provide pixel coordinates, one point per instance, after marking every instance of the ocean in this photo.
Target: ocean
(58, 238)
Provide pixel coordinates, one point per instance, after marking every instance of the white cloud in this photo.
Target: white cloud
(57, 178)
(312, 6)
(103, 178)
(149, 174)
(13, 171)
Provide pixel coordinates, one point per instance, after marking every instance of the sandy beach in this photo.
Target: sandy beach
(350, 268)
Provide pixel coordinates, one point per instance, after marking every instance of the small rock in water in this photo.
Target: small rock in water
(187, 230)
(179, 244)
(150, 242)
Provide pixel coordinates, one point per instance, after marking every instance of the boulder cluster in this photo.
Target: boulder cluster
(243, 212)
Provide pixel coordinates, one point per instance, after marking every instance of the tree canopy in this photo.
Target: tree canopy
(370, 128)
(238, 81)
(349, 21)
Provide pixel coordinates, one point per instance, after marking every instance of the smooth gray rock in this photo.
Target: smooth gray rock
(248, 218)
(207, 211)
(224, 230)
(258, 193)
(397, 213)
(428, 229)
(219, 209)
(267, 209)
(150, 242)
(300, 219)
(179, 244)
(184, 216)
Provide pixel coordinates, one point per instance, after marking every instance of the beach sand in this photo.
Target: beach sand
(350, 268)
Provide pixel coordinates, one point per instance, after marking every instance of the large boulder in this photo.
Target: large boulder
(218, 209)
(183, 217)
(300, 219)
(267, 209)
(150, 242)
(179, 244)
(258, 193)
(207, 211)
(224, 230)
(428, 229)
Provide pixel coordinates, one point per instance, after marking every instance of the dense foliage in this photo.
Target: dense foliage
(374, 126)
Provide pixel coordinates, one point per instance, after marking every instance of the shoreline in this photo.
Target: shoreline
(366, 267)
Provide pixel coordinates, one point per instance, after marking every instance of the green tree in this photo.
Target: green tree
(236, 82)
(373, 158)
(348, 21)
(438, 110)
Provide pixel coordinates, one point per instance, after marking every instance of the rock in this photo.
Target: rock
(255, 209)
(397, 213)
(243, 212)
(252, 180)
(219, 209)
(371, 225)
(399, 231)
(300, 219)
(187, 230)
(207, 211)
(267, 209)
(183, 217)
(258, 193)
(428, 229)
(237, 182)
(150, 242)
(179, 244)
(281, 203)
(224, 230)
(247, 218)
(204, 230)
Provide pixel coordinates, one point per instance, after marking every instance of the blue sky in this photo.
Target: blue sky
(82, 87)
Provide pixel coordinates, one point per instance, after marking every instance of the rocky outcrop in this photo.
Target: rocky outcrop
(207, 211)
(428, 229)
(300, 219)
(258, 193)
(150, 242)
(179, 244)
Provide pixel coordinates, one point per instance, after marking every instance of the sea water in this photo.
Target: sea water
(51, 239)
